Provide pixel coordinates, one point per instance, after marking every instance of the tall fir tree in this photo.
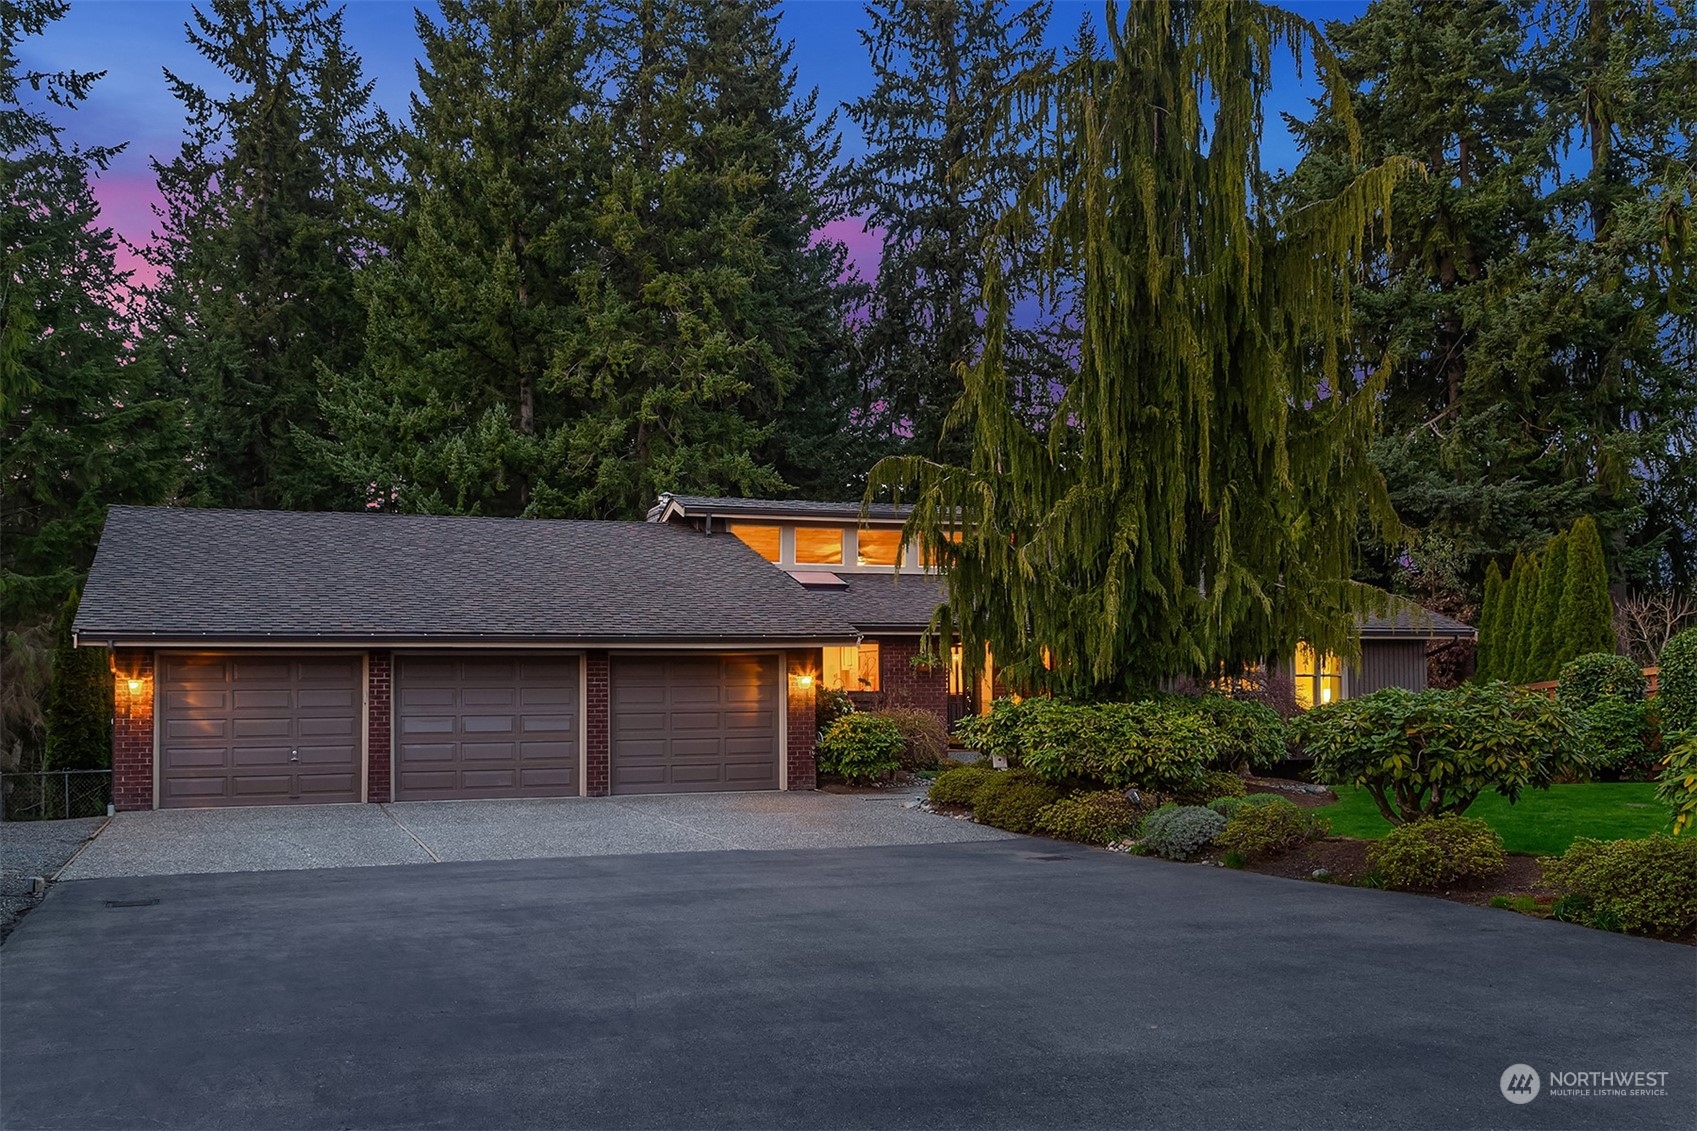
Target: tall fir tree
(933, 187)
(1526, 621)
(713, 352)
(1546, 643)
(454, 406)
(1586, 622)
(269, 212)
(1194, 501)
(1490, 612)
(1528, 386)
(85, 424)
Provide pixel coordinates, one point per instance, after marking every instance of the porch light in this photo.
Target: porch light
(135, 687)
(804, 680)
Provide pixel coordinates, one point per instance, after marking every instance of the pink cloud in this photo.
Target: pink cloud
(126, 205)
(865, 248)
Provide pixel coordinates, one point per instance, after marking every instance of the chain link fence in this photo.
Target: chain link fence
(53, 795)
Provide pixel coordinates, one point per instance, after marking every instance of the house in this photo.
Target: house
(264, 657)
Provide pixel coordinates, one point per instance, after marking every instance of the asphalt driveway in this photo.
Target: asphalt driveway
(1012, 983)
(269, 838)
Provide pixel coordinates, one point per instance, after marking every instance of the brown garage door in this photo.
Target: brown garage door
(503, 726)
(259, 730)
(694, 724)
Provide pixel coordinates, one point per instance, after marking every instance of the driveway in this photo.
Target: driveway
(1013, 983)
(268, 838)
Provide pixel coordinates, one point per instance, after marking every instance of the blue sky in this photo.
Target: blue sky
(133, 41)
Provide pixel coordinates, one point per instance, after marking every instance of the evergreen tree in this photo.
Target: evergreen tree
(1526, 622)
(1195, 501)
(268, 215)
(79, 706)
(1507, 663)
(1546, 643)
(1537, 364)
(714, 328)
(455, 407)
(1587, 614)
(84, 426)
(933, 188)
(1489, 647)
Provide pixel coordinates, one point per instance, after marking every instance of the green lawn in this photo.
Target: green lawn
(1541, 823)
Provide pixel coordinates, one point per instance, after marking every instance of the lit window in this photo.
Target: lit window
(851, 668)
(957, 671)
(1317, 680)
(819, 545)
(879, 548)
(928, 560)
(763, 540)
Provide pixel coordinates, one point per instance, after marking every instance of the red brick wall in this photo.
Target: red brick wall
(379, 706)
(800, 732)
(900, 684)
(132, 730)
(597, 724)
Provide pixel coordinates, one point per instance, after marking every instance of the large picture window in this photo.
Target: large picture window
(851, 668)
(762, 539)
(1319, 679)
(819, 545)
(879, 548)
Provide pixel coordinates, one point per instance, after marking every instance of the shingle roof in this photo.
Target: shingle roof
(210, 574)
(775, 508)
(1407, 619)
(873, 601)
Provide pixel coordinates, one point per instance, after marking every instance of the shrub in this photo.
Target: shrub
(829, 706)
(860, 747)
(1677, 682)
(1179, 832)
(925, 737)
(1646, 887)
(1597, 676)
(1012, 800)
(1620, 735)
(957, 785)
(1145, 744)
(1227, 807)
(1258, 830)
(1437, 851)
(1677, 787)
(1273, 689)
(1209, 785)
(1100, 817)
(1427, 753)
(1251, 733)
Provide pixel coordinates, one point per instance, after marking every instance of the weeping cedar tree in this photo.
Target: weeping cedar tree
(1196, 502)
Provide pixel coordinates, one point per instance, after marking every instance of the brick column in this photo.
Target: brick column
(801, 732)
(597, 717)
(132, 730)
(905, 685)
(379, 706)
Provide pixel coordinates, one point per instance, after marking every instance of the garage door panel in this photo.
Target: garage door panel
(229, 725)
(694, 723)
(467, 729)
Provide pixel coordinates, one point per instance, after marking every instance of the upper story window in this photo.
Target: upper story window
(761, 538)
(819, 545)
(880, 547)
(928, 560)
(1319, 679)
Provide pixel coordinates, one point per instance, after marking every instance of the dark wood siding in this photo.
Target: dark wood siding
(1389, 663)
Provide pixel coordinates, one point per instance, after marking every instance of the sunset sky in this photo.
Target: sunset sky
(133, 41)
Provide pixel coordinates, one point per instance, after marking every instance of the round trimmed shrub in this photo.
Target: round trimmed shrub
(1597, 676)
(1677, 682)
(1619, 736)
(1179, 832)
(955, 786)
(1211, 785)
(1260, 830)
(1012, 800)
(860, 747)
(1437, 851)
(1251, 734)
(1101, 817)
(925, 737)
(1228, 807)
(1643, 887)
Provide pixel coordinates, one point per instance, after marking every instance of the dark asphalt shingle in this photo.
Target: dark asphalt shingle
(872, 601)
(177, 572)
(1408, 620)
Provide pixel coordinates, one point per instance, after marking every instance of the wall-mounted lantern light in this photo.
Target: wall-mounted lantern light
(804, 680)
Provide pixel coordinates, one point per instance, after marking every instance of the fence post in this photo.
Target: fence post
(65, 776)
